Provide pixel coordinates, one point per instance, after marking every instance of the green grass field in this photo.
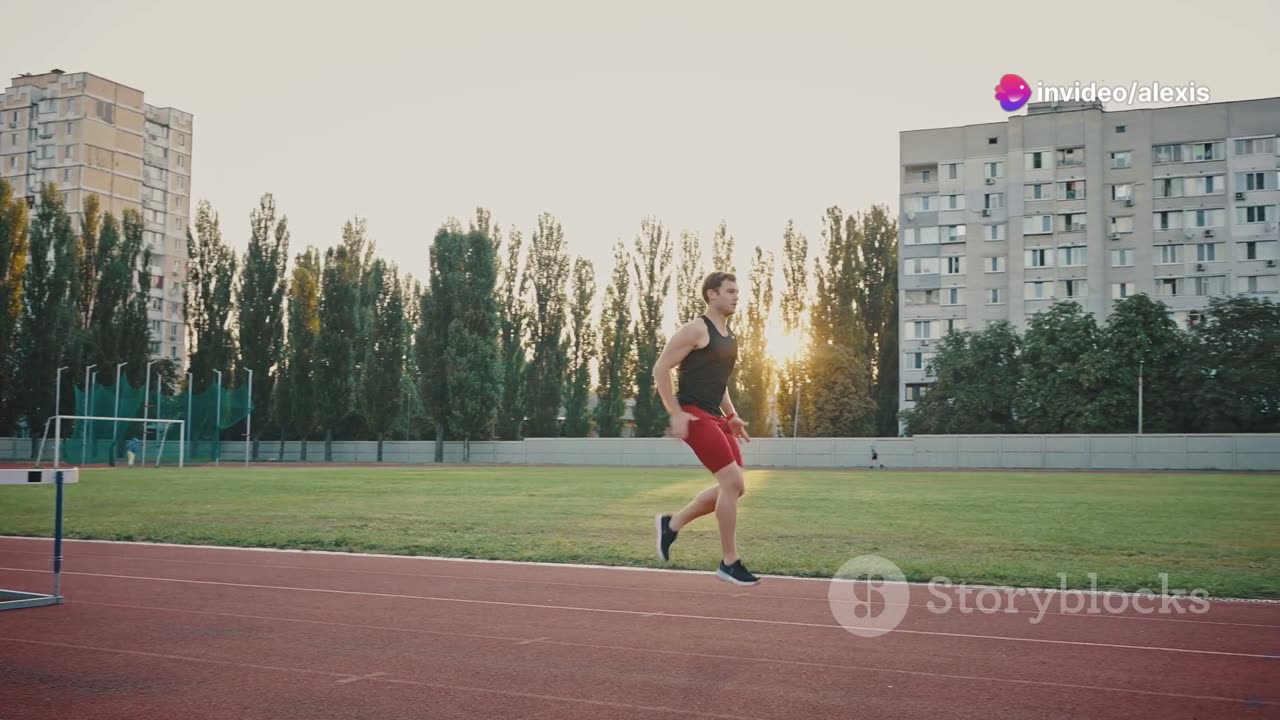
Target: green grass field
(1216, 532)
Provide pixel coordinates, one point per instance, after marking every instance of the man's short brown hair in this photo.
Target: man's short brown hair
(714, 281)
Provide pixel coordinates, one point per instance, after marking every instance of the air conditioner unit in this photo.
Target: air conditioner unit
(13, 124)
(1199, 267)
(1128, 202)
(1113, 236)
(991, 181)
(1271, 263)
(986, 212)
(1071, 194)
(1208, 232)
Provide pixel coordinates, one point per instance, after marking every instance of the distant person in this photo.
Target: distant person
(705, 351)
(131, 449)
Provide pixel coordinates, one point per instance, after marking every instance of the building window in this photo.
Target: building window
(1068, 157)
(1120, 291)
(1039, 258)
(1166, 153)
(1038, 290)
(954, 265)
(1256, 146)
(953, 202)
(994, 264)
(922, 297)
(1072, 256)
(1203, 151)
(953, 325)
(955, 233)
(1255, 181)
(1170, 254)
(921, 236)
(1122, 191)
(1036, 160)
(1039, 191)
(1249, 251)
(922, 329)
(1168, 187)
(1122, 258)
(951, 171)
(995, 232)
(1167, 287)
(1207, 252)
(1120, 225)
(1120, 129)
(1208, 185)
(1256, 214)
(953, 296)
(993, 201)
(922, 266)
(1037, 225)
(1168, 220)
(995, 296)
(1074, 222)
(1075, 288)
(993, 170)
(1071, 190)
(916, 391)
(1121, 160)
(1211, 286)
(992, 141)
(1207, 218)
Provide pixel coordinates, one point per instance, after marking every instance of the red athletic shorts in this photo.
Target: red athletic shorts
(712, 439)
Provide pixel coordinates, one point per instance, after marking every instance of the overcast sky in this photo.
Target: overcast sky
(752, 112)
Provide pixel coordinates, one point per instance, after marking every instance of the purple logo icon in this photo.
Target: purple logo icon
(1012, 92)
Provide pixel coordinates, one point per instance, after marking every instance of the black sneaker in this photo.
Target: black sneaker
(666, 536)
(736, 573)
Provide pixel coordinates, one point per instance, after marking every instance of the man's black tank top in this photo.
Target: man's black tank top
(704, 373)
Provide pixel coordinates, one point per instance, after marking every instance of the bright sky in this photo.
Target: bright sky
(754, 112)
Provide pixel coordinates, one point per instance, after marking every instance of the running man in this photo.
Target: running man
(705, 351)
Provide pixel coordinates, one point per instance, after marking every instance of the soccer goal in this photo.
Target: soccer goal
(163, 430)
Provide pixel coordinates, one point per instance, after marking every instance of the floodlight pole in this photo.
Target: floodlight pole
(1140, 363)
(190, 389)
(217, 424)
(115, 424)
(146, 394)
(84, 442)
(248, 428)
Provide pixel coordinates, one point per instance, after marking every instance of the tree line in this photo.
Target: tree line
(1069, 374)
(502, 337)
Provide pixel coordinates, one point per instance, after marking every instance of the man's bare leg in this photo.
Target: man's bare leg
(732, 486)
(703, 504)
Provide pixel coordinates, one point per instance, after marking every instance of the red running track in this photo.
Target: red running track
(156, 631)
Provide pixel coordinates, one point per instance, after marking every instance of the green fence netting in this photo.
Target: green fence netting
(213, 417)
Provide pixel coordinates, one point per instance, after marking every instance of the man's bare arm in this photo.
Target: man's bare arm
(726, 405)
(678, 347)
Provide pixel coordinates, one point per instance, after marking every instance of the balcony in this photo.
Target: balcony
(155, 160)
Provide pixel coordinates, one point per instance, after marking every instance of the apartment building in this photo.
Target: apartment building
(90, 136)
(1070, 201)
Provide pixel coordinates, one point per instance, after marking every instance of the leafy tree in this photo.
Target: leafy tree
(754, 374)
(577, 417)
(50, 291)
(689, 301)
(1233, 376)
(14, 245)
(652, 265)
(382, 395)
(617, 363)
(549, 266)
(209, 292)
(978, 373)
(299, 388)
(260, 308)
(1064, 373)
(722, 250)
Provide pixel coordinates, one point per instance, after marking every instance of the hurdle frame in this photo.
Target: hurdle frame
(15, 599)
